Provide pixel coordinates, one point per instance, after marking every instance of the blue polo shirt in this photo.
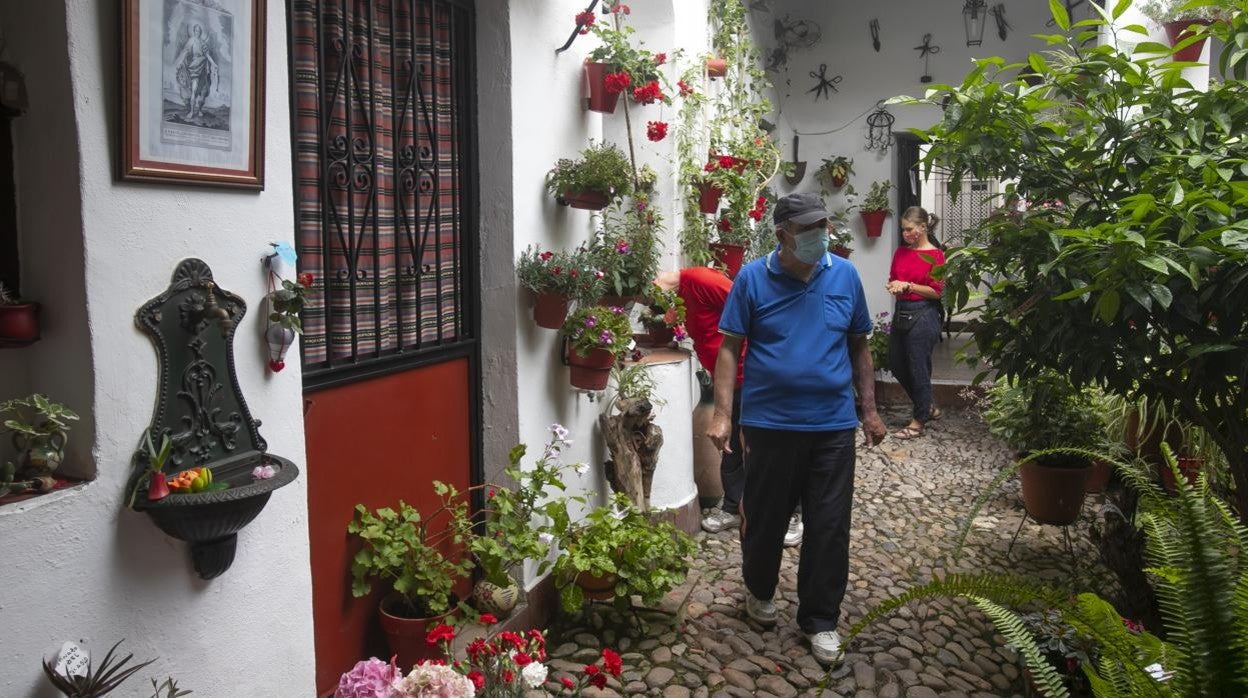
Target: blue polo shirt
(797, 371)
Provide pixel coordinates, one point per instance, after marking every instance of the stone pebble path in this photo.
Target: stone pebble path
(910, 497)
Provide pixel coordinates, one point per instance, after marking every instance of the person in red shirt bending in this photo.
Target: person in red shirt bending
(704, 291)
(917, 318)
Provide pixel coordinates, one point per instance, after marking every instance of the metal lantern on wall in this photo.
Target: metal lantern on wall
(974, 15)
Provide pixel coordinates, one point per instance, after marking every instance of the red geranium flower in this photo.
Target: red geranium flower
(488, 618)
(567, 683)
(585, 20)
(709, 167)
(756, 214)
(727, 161)
(306, 278)
(648, 93)
(477, 679)
(685, 89)
(611, 662)
(723, 225)
(508, 676)
(660, 58)
(620, 7)
(656, 130)
(617, 82)
(440, 633)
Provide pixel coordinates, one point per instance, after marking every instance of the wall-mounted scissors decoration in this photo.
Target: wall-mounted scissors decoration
(926, 50)
(826, 85)
(875, 34)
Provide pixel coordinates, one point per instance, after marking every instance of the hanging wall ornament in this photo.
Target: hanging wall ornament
(974, 15)
(926, 50)
(826, 85)
(998, 14)
(875, 34)
(880, 129)
(285, 301)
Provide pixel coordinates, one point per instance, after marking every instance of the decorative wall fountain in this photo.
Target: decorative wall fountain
(201, 410)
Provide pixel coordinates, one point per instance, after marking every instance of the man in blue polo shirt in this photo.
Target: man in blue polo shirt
(803, 314)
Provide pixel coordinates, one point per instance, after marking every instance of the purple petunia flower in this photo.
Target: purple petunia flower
(606, 337)
(591, 321)
(617, 310)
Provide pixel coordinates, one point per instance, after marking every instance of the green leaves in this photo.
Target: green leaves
(1060, 16)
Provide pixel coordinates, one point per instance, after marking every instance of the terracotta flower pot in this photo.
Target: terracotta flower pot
(874, 222)
(600, 99)
(716, 67)
(19, 324)
(1098, 477)
(1053, 495)
(587, 200)
(625, 302)
(708, 198)
(660, 335)
(1177, 31)
(597, 587)
(406, 636)
(550, 310)
(1188, 466)
(838, 182)
(590, 372)
(841, 251)
(488, 597)
(728, 256)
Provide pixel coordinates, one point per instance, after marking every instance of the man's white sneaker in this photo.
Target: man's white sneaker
(718, 520)
(763, 612)
(794, 535)
(826, 647)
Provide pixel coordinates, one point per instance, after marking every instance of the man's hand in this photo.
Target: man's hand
(719, 431)
(873, 428)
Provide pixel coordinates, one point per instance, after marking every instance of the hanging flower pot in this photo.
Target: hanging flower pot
(19, 323)
(279, 338)
(1177, 31)
(841, 251)
(550, 310)
(729, 256)
(586, 200)
(874, 222)
(590, 372)
(600, 98)
(708, 198)
(1053, 495)
(716, 67)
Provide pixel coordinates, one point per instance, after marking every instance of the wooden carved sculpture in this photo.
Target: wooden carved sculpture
(633, 440)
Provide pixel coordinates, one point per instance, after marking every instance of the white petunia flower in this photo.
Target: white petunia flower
(581, 468)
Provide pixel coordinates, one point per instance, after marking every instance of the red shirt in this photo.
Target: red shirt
(704, 291)
(912, 266)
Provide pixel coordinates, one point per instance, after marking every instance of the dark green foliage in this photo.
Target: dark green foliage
(99, 680)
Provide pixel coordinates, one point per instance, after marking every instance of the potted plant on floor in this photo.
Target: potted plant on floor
(663, 317)
(617, 65)
(835, 171)
(1177, 17)
(596, 336)
(1043, 413)
(875, 208)
(38, 427)
(602, 173)
(881, 327)
(556, 279)
(514, 524)
(19, 320)
(616, 552)
(400, 551)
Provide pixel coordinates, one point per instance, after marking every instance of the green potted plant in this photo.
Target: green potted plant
(663, 317)
(617, 65)
(98, 679)
(39, 429)
(19, 320)
(556, 279)
(875, 207)
(835, 171)
(839, 236)
(881, 327)
(400, 552)
(514, 524)
(1176, 17)
(596, 335)
(626, 251)
(1042, 413)
(616, 552)
(602, 172)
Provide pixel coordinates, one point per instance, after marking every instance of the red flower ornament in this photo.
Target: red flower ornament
(656, 130)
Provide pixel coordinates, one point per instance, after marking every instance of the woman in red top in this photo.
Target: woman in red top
(916, 321)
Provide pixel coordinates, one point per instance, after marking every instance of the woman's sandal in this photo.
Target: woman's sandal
(934, 414)
(906, 433)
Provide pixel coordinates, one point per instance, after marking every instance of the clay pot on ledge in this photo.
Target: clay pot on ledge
(597, 587)
(600, 98)
(550, 310)
(659, 334)
(406, 635)
(19, 324)
(1177, 31)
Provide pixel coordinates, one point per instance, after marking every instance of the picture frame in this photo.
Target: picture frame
(192, 101)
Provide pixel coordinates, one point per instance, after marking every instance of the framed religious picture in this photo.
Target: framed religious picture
(193, 92)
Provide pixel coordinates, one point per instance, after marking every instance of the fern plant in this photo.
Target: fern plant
(1194, 548)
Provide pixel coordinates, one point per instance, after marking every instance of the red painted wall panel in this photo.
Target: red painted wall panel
(374, 442)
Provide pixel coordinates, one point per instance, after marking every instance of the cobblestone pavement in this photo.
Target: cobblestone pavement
(909, 499)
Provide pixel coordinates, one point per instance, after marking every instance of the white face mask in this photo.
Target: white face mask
(811, 245)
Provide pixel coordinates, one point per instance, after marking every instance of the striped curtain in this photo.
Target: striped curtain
(378, 134)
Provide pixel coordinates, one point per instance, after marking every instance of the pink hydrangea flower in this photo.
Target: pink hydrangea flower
(370, 678)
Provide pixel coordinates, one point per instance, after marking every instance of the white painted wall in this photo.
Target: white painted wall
(673, 485)
(79, 566)
(867, 77)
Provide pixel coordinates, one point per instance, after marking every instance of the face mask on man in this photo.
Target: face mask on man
(810, 245)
